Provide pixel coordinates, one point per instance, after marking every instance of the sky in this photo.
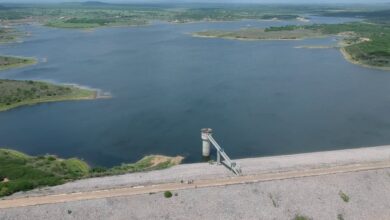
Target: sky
(210, 1)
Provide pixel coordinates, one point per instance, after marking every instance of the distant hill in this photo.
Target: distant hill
(94, 3)
(87, 4)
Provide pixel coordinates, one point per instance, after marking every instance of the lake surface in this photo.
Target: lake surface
(260, 97)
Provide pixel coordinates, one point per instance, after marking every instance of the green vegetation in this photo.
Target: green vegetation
(97, 14)
(229, 14)
(86, 22)
(367, 43)
(340, 217)
(301, 217)
(344, 196)
(363, 43)
(14, 93)
(8, 62)
(20, 172)
(167, 194)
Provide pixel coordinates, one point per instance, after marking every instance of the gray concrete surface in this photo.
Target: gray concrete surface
(314, 197)
(206, 171)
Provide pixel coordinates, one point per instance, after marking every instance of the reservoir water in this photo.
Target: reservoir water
(260, 97)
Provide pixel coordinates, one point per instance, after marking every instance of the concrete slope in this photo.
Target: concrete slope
(208, 175)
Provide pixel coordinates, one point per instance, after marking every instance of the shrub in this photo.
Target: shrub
(98, 170)
(301, 217)
(167, 194)
(344, 196)
(340, 217)
(51, 158)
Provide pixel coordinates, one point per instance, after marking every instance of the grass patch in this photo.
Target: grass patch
(167, 194)
(21, 172)
(344, 196)
(15, 93)
(340, 217)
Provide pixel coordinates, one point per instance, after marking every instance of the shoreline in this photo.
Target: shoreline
(345, 54)
(315, 47)
(48, 100)
(349, 58)
(92, 29)
(250, 39)
(99, 94)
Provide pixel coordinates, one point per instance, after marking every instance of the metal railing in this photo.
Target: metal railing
(207, 139)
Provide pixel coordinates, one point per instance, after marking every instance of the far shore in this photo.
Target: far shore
(345, 54)
(315, 47)
(249, 39)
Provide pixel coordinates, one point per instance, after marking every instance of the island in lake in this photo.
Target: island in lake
(260, 34)
(9, 62)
